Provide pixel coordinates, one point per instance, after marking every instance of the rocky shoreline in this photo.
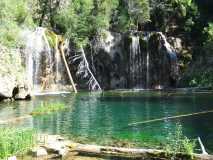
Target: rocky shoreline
(58, 147)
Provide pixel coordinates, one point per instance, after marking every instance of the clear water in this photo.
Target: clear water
(107, 115)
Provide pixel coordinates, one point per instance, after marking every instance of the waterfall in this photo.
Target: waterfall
(58, 59)
(107, 41)
(135, 63)
(154, 65)
(136, 60)
(168, 47)
(146, 38)
(172, 57)
(147, 70)
(43, 61)
(34, 45)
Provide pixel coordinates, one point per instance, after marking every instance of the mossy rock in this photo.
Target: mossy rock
(53, 38)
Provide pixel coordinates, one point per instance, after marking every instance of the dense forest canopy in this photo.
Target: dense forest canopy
(83, 20)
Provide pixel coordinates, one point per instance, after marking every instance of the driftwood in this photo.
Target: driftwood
(85, 72)
(67, 67)
(202, 146)
(172, 117)
(131, 153)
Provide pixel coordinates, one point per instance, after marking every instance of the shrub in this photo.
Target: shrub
(178, 143)
(15, 141)
(208, 44)
(13, 16)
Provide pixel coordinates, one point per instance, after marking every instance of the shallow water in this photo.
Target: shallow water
(102, 117)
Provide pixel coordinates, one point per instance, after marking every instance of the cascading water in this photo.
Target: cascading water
(43, 62)
(58, 62)
(135, 68)
(146, 38)
(136, 60)
(172, 56)
(154, 65)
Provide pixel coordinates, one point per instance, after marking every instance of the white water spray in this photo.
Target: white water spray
(43, 63)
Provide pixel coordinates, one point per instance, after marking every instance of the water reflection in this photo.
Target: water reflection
(98, 116)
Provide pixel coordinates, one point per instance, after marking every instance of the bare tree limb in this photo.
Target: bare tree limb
(85, 72)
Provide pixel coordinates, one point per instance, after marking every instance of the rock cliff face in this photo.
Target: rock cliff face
(143, 60)
(135, 60)
(12, 77)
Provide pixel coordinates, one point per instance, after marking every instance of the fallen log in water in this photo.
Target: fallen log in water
(106, 151)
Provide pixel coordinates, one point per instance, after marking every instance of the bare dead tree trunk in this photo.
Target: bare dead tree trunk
(61, 48)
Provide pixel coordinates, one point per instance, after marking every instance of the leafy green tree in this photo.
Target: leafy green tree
(138, 11)
(209, 32)
(75, 21)
(45, 11)
(102, 14)
(121, 18)
(160, 13)
(208, 44)
(14, 15)
(130, 14)
(83, 19)
(181, 14)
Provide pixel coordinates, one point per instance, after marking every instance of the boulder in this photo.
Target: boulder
(12, 77)
(63, 152)
(22, 92)
(7, 85)
(39, 152)
(55, 144)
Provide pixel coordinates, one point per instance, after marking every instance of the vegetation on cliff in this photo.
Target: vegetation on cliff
(14, 16)
(83, 20)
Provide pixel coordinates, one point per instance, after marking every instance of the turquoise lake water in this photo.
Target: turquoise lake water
(99, 117)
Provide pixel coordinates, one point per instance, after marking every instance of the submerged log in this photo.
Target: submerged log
(171, 117)
(106, 151)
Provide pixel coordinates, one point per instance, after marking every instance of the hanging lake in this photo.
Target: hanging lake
(101, 117)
